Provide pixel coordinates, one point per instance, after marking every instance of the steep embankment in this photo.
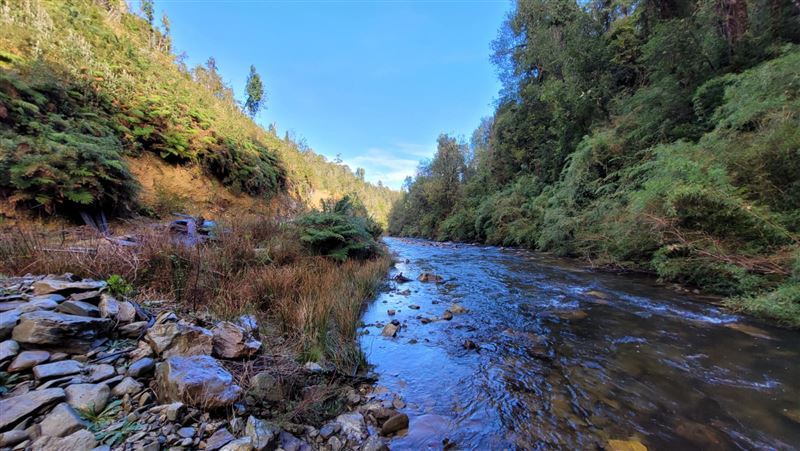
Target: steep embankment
(648, 138)
(90, 93)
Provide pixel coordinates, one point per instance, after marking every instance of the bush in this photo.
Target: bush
(341, 231)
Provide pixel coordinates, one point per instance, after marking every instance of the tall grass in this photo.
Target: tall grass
(256, 266)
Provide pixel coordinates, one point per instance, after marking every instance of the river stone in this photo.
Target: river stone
(261, 432)
(750, 330)
(335, 444)
(8, 349)
(374, 443)
(127, 386)
(179, 339)
(82, 440)
(27, 360)
(457, 309)
(100, 372)
(395, 424)
(199, 381)
(79, 308)
(62, 421)
(12, 438)
(19, 407)
(86, 296)
(7, 322)
(127, 312)
(59, 286)
(389, 330)
(447, 315)
(90, 397)
(626, 445)
(132, 330)
(59, 330)
(353, 425)
(571, 315)
(218, 439)
(430, 277)
(186, 432)
(42, 303)
(57, 369)
(242, 444)
(231, 342)
(12, 305)
(141, 367)
(109, 306)
(249, 324)
(266, 386)
(329, 429)
(291, 443)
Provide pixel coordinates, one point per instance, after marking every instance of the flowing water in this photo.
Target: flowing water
(569, 358)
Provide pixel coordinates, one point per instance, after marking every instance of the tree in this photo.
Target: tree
(254, 92)
(148, 9)
(209, 77)
(360, 173)
(166, 41)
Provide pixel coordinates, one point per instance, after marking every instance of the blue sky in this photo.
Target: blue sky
(373, 81)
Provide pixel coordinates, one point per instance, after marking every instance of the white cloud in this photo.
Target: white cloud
(390, 167)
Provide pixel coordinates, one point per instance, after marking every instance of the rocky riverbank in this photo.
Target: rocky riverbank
(82, 369)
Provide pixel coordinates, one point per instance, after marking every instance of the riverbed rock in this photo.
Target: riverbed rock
(457, 309)
(261, 433)
(89, 397)
(8, 349)
(231, 342)
(26, 360)
(17, 408)
(241, 444)
(63, 286)
(199, 381)
(127, 312)
(374, 443)
(219, 439)
(57, 369)
(447, 315)
(391, 312)
(469, 345)
(132, 330)
(108, 306)
(127, 386)
(8, 320)
(79, 308)
(626, 445)
(353, 425)
(63, 420)
(70, 333)
(82, 440)
(395, 424)
(13, 437)
(266, 386)
(571, 315)
(430, 277)
(179, 339)
(389, 330)
(750, 330)
(141, 367)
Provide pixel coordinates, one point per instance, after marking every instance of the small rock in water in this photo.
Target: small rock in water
(749, 330)
(447, 315)
(571, 315)
(391, 312)
(413, 307)
(469, 344)
(430, 277)
(390, 330)
(626, 445)
(457, 309)
(395, 424)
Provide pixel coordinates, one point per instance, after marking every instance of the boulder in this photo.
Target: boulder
(19, 407)
(266, 386)
(218, 439)
(57, 369)
(85, 296)
(231, 342)
(8, 349)
(109, 306)
(196, 380)
(8, 320)
(179, 339)
(127, 312)
(27, 360)
(82, 440)
(79, 308)
(88, 397)
(132, 330)
(62, 287)
(12, 438)
(62, 421)
(127, 386)
(353, 425)
(59, 330)
(395, 424)
(261, 432)
(100, 372)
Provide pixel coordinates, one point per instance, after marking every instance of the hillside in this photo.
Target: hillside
(650, 136)
(94, 106)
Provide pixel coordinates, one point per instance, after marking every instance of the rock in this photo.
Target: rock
(329, 429)
(400, 278)
(430, 277)
(266, 386)
(82, 440)
(57, 369)
(21, 406)
(13, 305)
(598, 294)
(353, 425)
(141, 367)
(395, 424)
(27, 360)
(109, 306)
(133, 330)
(260, 432)
(231, 342)
(142, 351)
(12, 438)
(7, 322)
(218, 439)
(335, 444)
(197, 380)
(425, 320)
(626, 445)
(175, 410)
(59, 330)
(127, 386)
(374, 443)
(186, 432)
(571, 315)
(457, 309)
(8, 349)
(100, 372)
(242, 444)
(59, 286)
(413, 307)
(127, 312)
(291, 443)
(447, 315)
(389, 330)
(88, 397)
(398, 403)
(79, 308)
(86, 296)
(313, 367)
(41, 303)
(249, 324)
(62, 421)
(469, 345)
(749, 330)
(391, 312)
(179, 339)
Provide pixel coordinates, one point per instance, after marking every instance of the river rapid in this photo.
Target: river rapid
(570, 358)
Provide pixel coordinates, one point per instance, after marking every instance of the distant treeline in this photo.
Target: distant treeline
(650, 135)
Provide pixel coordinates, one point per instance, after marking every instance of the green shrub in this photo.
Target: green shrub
(341, 231)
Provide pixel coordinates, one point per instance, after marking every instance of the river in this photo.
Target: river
(571, 358)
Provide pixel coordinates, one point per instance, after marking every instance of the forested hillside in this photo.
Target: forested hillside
(650, 135)
(87, 88)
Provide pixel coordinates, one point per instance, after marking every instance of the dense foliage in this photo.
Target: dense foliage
(649, 135)
(85, 85)
(342, 229)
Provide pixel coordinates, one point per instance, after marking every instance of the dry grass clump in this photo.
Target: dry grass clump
(257, 265)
